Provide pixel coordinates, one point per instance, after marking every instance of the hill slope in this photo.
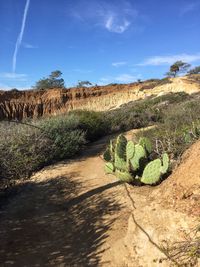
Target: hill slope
(35, 104)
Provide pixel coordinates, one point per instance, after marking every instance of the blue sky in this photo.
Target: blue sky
(103, 41)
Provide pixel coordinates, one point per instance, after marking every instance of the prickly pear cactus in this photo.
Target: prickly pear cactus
(127, 161)
(112, 147)
(146, 143)
(124, 176)
(165, 166)
(120, 163)
(152, 172)
(138, 155)
(109, 168)
(107, 155)
(130, 150)
(121, 146)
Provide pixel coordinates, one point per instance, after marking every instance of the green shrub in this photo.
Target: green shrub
(180, 127)
(92, 123)
(63, 131)
(143, 113)
(152, 83)
(25, 149)
(22, 151)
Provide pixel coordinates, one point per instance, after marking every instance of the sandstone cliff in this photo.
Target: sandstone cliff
(35, 104)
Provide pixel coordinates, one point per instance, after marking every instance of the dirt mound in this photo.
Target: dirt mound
(165, 215)
(182, 189)
(32, 103)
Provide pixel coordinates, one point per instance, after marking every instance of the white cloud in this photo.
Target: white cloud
(188, 8)
(119, 64)
(115, 18)
(121, 78)
(105, 80)
(20, 36)
(127, 78)
(29, 46)
(168, 60)
(20, 77)
(112, 25)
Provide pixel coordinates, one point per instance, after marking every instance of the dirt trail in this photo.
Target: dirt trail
(72, 214)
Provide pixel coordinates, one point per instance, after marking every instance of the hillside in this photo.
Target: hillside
(35, 104)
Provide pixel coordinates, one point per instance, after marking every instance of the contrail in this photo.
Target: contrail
(20, 36)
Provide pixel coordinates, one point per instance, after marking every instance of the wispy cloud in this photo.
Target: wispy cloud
(167, 60)
(20, 36)
(29, 46)
(112, 25)
(8, 76)
(189, 7)
(121, 78)
(119, 64)
(127, 78)
(114, 17)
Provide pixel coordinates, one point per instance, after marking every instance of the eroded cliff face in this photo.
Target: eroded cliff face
(34, 104)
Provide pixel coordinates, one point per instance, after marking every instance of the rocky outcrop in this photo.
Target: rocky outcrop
(32, 103)
(38, 103)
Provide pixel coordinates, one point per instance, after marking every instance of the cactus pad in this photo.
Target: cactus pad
(121, 146)
(130, 149)
(124, 176)
(109, 168)
(165, 166)
(146, 143)
(152, 172)
(139, 154)
(120, 163)
(112, 146)
(107, 155)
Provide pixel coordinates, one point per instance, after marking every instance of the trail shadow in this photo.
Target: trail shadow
(98, 147)
(49, 224)
(95, 191)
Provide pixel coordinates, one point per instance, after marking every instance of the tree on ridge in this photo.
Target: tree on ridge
(54, 80)
(178, 67)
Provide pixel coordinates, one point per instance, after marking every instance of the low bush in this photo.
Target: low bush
(142, 113)
(180, 127)
(64, 133)
(92, 123)
(22, 150)
(152, 83)
(25, 149)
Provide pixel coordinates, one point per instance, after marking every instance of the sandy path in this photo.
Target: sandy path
(65, 216)
(72, 214)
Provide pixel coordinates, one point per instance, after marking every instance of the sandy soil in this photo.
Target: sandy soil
(72, 214)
